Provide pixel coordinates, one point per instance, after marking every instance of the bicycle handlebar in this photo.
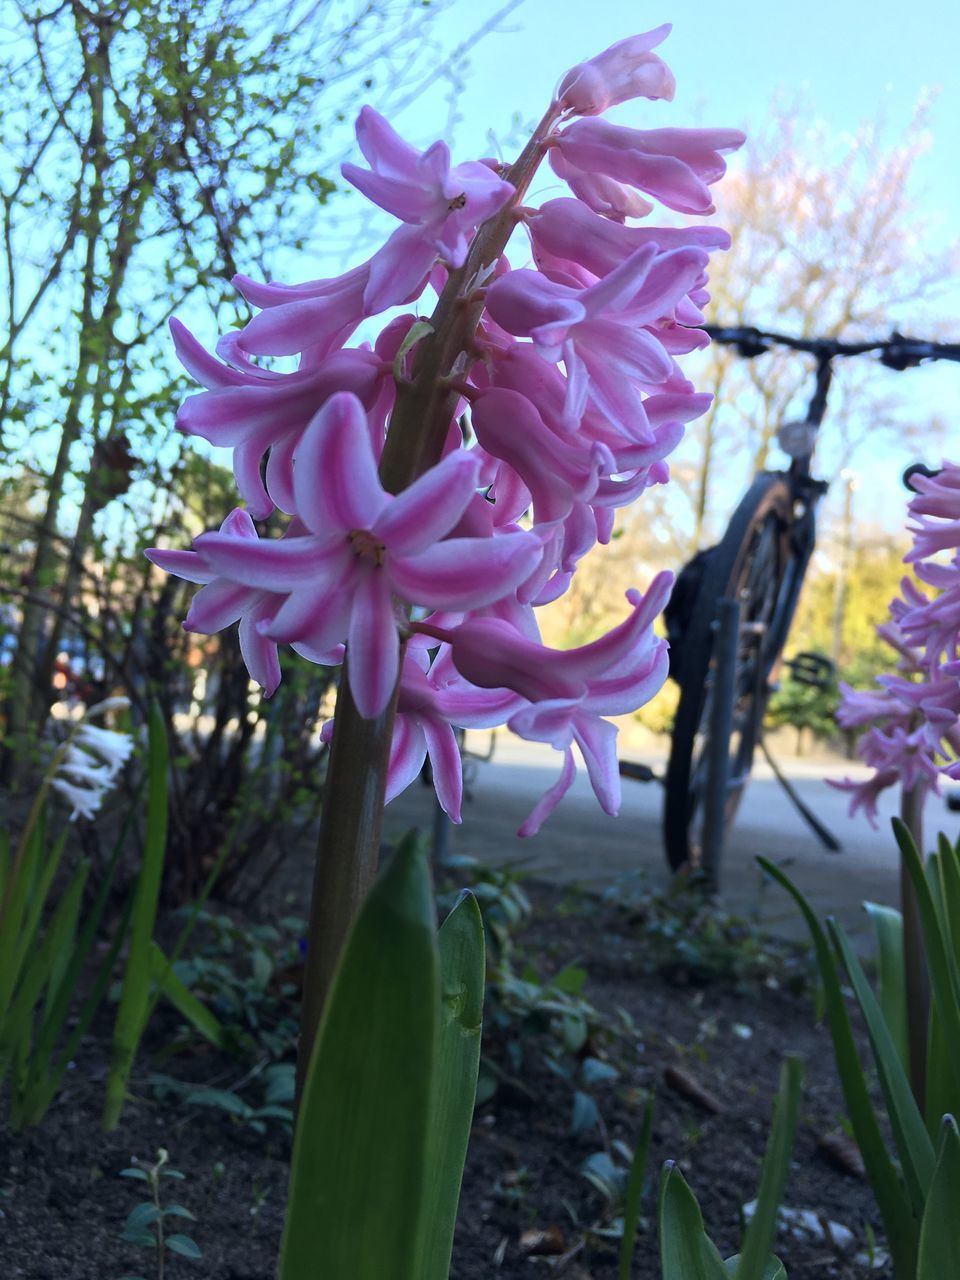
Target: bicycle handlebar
(896, 352)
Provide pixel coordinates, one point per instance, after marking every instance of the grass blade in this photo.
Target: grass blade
(359, 1156)
(941, 963)
(917, 1157)
(631, 1208)
(758, 1241)
(184, 1001)
(135, 994)
(462, 975)
(892, 1201)
(888, 929)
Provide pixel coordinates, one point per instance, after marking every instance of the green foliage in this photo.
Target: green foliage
(689, 939)
(148, 1223)
(45, 950)
(380, 1102)
(803, 706)
(274, 1083)
(134, 1003)
(913, 1191)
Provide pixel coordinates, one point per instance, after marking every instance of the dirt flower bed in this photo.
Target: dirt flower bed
(641, 1009)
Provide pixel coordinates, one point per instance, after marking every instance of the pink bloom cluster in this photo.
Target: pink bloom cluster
(915, 714)
(562, 402)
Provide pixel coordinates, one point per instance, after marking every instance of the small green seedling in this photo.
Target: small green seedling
(147, 1222)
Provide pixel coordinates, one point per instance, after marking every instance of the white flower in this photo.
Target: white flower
(84, 801)
(112, 747)
(90, 762)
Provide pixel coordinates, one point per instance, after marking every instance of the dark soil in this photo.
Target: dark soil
(63, 1205)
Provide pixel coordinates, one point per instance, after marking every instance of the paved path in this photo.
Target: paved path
(580, 844)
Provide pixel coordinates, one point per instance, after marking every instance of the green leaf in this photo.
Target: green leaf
(939, 1253)
(184, 1001)
(774, 1269)
(909, 1131)
(462, 973)
(894, 1205)
(142, 1215)
(891, 994)
(183, 1245)
(178, 1211)
(135, 995)
(631, 1211)
(686, 1252)
(595, 1071)
(762, 1230)
(133, 1173)
(570, 979)
(941, 961)
(359, 1157)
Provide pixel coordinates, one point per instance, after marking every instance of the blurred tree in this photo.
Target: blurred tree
(826, 241)
(804, 707)
(153, 148)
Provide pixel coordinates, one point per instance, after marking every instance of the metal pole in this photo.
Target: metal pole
(725, 646)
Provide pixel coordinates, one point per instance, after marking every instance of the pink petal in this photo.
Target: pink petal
(400, 270)
(597, 739)
(447, 771)
(183, 564)
(466, 573)
(246, 470)
(547, 803)
(217, 605)
(430, 507)
(407, 754)
(276, 564)
(259, 654)
(373, 647)
(335, 479)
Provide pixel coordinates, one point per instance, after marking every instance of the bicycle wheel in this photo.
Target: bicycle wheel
(759, 564)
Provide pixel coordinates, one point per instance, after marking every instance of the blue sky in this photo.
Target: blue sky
(855, 58)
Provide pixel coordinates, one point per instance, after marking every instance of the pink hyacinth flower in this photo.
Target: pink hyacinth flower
(420, 188)
(675, 166)
(219, 603)
(569, 692)
(626, 70)
(366, 548)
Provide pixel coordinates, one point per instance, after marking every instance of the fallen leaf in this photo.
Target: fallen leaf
(842, 1152)
(542, 1241)
(688, 1087)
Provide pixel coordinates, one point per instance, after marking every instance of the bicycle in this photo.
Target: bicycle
(760, 563)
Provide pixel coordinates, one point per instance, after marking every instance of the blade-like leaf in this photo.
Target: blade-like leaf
(135, 994)
(941, 962)
(888, 928)
(462, 972)
(184, 1001)
(358, 1168)
(686, 1252)
(892, 1200)
(909, 1131)
(631, 1209)
(774, 1269)
(939, 1254)
(759, 1238)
